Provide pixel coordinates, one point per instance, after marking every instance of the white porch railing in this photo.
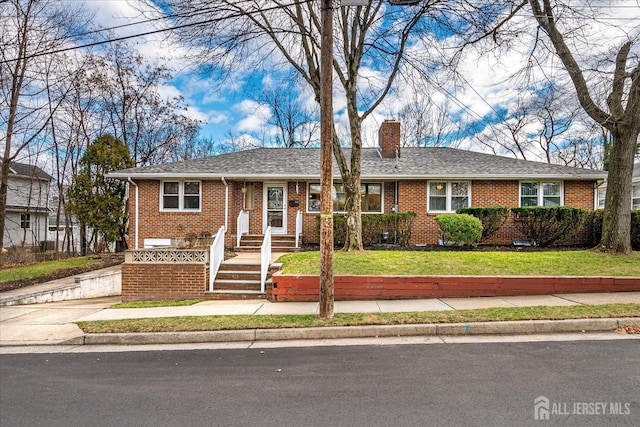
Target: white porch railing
(265, 258)
(242, 225)
(216, 256)
(298, 228)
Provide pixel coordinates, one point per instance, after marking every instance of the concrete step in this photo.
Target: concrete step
(250, 275)
(241, 249)
(236, 285)
(235, 266)
(235, 295)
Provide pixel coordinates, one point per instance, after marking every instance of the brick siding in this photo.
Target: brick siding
(412, 196)
(146, 282)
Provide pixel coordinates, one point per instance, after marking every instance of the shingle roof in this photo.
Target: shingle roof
(414, 163)
(30, 171)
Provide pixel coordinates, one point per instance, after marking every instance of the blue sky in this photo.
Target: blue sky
(480, 103)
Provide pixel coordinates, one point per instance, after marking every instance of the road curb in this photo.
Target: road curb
(527, 327)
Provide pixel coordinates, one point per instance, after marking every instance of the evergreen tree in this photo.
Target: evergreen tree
(96, 200)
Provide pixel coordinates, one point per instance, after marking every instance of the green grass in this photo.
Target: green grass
(219, 323)
(474, 263)
(32, 271)
(147, 304)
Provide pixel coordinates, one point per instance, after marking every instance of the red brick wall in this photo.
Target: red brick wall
(579, 194)
(153, 281)
(412, 196)
(305, 287)
(157, 224)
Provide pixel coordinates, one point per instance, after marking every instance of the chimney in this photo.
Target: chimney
(389, 139)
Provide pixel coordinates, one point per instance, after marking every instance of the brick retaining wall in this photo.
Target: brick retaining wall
(163, 281)
(306, 287)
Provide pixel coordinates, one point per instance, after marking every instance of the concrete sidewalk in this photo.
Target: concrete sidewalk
(53, 323)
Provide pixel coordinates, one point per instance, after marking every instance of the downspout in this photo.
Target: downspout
(226, 204)
(137, 212)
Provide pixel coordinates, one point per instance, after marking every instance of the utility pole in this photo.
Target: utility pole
(326, 160)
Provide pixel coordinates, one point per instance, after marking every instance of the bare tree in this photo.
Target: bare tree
(251, 35)
(619, 113)
(29, 29)
(606, 85)
(296, 125)
(133, 110)
(426, 123)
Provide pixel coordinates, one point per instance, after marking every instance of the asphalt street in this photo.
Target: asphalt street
(581, 383)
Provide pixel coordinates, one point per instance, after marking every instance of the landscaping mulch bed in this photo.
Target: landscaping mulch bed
(102, 261)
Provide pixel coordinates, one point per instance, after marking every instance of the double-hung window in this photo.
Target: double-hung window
(635, 197)
(180, 195)
(371, 198)
(544, 193)
(448, 196)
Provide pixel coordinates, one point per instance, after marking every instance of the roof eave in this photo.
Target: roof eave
(384, 177)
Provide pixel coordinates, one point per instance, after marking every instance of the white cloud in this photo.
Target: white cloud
(254, 115)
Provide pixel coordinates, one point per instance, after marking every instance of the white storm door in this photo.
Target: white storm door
(275, 208)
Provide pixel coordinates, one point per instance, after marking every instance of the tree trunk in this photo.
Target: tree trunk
(616, 223)
(351, 182)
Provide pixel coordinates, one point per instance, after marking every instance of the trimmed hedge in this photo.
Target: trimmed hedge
(461, 228)
(492, 218)
(549, 225)
(596, 228)
(392, 228)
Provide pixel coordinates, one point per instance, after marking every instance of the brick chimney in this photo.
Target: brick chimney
(389, 139)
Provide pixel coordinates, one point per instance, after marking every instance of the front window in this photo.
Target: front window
(180, 195)
(635, 201)
(541, 193)
(371, 198)
(448, 196)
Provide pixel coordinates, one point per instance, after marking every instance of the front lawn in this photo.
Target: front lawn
(45, 268)
(473, 263)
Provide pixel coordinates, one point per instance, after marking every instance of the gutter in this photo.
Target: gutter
(137, 212)
(226, 204)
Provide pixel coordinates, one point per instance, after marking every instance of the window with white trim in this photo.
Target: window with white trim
(543, 193)
(448, 196)
(180, 195)
(371, 198)
(635, 197)
(602, 194)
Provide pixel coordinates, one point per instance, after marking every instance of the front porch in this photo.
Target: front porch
(167, 272)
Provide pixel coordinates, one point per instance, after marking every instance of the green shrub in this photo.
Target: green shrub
(463, 228)
(549, 225)
(596, 228)
(492, 218)
(389, 228)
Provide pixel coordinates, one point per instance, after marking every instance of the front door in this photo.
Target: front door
(275, 212)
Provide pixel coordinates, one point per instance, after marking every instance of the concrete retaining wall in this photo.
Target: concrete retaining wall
(100, 283)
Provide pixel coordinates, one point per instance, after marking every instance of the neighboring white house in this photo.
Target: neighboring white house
(67, 235)
(27, 214)
(635, 192)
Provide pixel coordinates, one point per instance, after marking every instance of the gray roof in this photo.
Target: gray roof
(29, 171)
(414, 163)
